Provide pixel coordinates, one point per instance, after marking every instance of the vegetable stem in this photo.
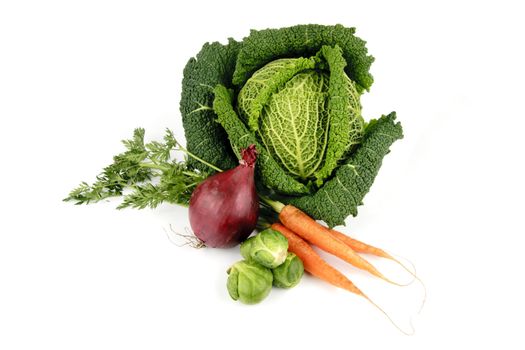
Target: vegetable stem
(276, 205)
(153, 166)
(189, 173)
(198, 158)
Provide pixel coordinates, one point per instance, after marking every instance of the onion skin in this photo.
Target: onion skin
(224, 208)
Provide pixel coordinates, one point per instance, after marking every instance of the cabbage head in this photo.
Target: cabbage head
(305, 111)
(295, 93)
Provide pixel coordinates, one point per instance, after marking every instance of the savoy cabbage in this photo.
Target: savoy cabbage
(295, 93)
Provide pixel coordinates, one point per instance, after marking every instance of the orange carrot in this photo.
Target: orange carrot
(315, 233)
(318, 267)
(359, 246)
(314, 264)
(362, 247)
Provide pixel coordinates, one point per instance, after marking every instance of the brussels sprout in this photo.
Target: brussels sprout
(249, 282)
(289, 273)
(268, 248)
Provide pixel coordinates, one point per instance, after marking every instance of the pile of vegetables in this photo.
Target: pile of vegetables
(275, 140)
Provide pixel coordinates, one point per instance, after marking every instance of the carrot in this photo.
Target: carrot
(315, 233)
(317, 266)
(314, 264)
(359, 246)
(362, 247)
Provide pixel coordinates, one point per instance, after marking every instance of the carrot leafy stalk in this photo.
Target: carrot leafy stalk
(145, 175)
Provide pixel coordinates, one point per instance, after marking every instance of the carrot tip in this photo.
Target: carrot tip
(412, 330)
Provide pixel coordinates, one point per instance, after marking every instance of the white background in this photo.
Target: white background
(77, 77)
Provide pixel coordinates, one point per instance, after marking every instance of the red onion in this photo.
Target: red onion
(224, 208)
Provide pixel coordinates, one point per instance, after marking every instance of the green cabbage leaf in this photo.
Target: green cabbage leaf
(341, 195)
(240, 137)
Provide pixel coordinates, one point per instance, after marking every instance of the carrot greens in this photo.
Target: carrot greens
(146, 175)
